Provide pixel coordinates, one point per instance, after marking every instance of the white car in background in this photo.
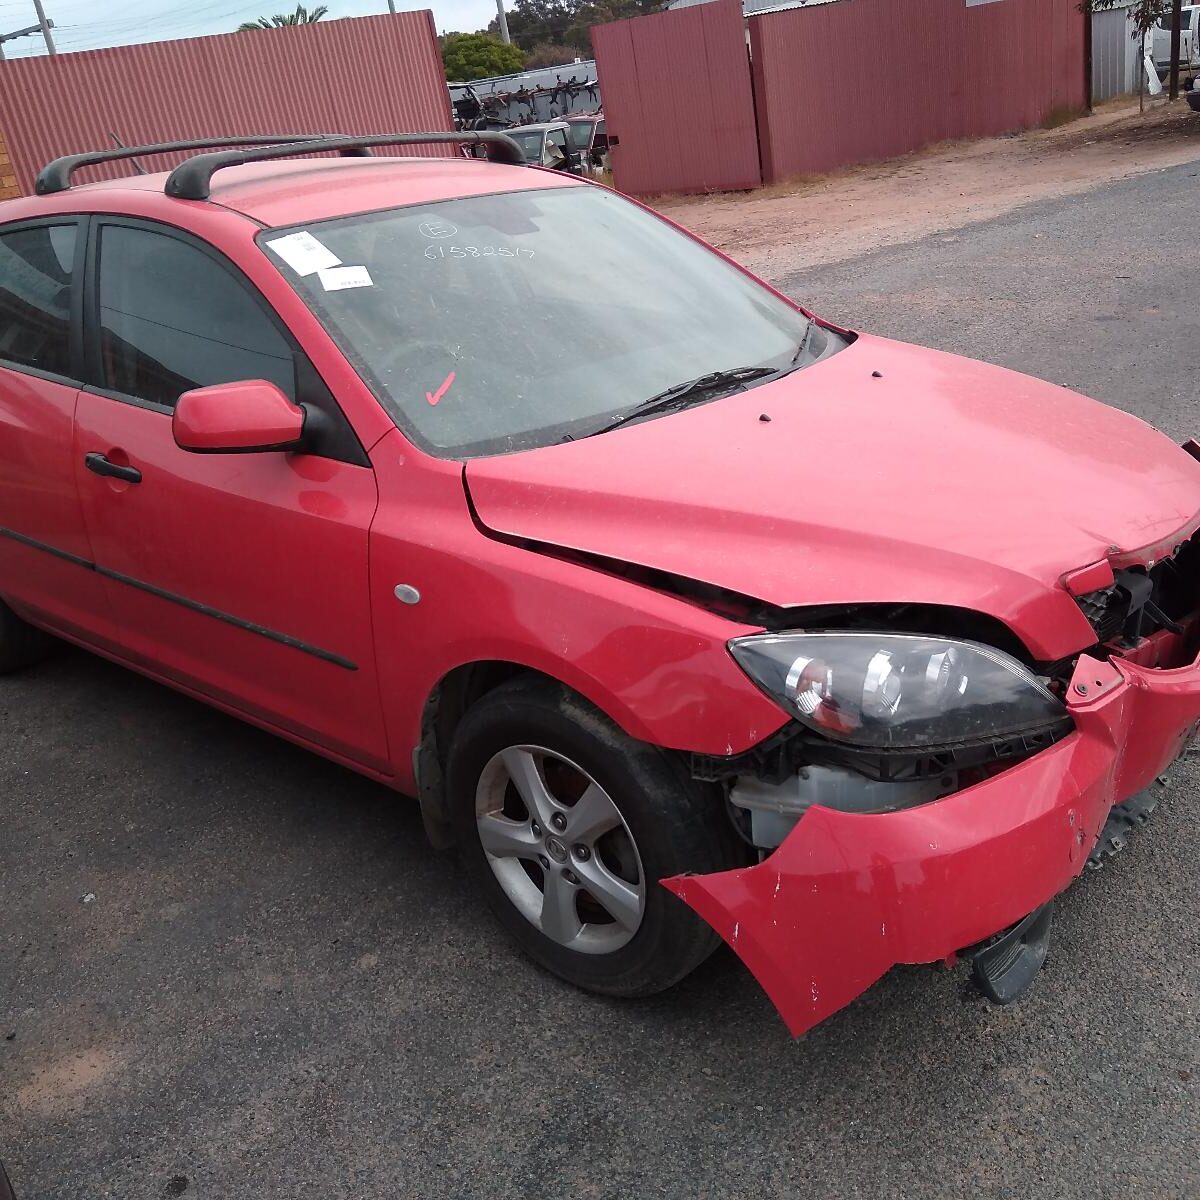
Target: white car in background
(1158, 40)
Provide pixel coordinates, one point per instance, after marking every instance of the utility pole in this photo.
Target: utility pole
(504, 22)
(392, 7)
(1176, 23)
(28, 31)
(46, 26)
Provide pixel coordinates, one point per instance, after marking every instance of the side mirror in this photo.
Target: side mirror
(237, 418)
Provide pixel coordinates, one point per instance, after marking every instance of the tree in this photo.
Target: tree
(547, 54)
(600, 12)
(542, 23)
(300, 17)
(531, 22)
(479, 56)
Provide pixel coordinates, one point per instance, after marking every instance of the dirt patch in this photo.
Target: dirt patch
(55, 1088)
(828, 218)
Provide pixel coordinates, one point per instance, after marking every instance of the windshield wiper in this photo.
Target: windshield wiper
(682, 393)
(804, 343)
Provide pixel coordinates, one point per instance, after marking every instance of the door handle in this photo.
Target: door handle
(99, 465)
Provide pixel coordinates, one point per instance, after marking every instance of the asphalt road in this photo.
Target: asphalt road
(278, 990)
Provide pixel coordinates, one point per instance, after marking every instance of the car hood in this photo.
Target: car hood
(884, 474)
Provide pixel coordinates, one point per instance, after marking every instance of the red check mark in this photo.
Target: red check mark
(434, 397)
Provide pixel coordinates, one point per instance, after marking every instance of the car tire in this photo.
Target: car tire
(20, 644)
(663, 823)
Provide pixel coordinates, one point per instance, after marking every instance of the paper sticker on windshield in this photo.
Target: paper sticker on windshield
(335, 279)
(303, 253)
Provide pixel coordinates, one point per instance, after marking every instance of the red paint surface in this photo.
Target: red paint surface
(942, 71)
(291, 191)
(845, 495)
(236, 416)
(847, 897)
(367, 75)
(677, 97)
(447, 383)
(278, 540)
(38, 498)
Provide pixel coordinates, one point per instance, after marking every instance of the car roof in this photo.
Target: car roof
(536, 126)
(313, 189)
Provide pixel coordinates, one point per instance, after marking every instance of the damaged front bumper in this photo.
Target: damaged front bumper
(847, 896)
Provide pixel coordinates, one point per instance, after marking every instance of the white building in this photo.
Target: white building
(1116, 52)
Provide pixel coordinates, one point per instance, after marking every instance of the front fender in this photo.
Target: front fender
(655, 664)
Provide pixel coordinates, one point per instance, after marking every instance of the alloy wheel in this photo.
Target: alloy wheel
(560, 849)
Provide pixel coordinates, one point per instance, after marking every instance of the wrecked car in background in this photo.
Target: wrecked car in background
(590, 140)
(547, 144)
(731, 623)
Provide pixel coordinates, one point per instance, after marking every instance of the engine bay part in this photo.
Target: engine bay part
(1141, 601)
(1005, 966)
(766, 813)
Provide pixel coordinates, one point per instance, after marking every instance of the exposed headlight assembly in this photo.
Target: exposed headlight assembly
(884, 691)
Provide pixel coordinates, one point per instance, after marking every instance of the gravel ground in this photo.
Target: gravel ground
(229, 969)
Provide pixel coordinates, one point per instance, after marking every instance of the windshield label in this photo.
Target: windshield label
(336, 279)
(303, 253)
(443, 251)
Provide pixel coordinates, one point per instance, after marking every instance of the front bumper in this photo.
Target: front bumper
(846, 896)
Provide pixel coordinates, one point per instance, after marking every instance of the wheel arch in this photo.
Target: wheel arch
(445, 706)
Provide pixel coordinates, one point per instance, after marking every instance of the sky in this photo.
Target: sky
(88, 25)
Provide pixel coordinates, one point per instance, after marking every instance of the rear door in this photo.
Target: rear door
(241, 575)
(45, 555)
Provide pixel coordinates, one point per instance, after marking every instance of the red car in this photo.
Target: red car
(730, 622)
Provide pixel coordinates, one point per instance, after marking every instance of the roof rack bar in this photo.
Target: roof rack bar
(191, 180)
(56, 176)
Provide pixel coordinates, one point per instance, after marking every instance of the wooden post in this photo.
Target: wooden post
(1176, 23)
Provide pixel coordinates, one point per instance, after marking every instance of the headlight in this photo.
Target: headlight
(898, 691)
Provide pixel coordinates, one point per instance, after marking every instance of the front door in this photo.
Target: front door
(241, 575)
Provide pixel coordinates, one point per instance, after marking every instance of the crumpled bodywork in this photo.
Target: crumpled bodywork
(847, 896)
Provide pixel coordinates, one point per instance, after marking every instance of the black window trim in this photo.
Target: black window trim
(340, 442)
(75, 307)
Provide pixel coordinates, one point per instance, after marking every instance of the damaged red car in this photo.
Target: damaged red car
(685, 614)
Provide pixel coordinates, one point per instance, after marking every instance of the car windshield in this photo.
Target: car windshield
(581, 134)
(502, 322)
(530, 143)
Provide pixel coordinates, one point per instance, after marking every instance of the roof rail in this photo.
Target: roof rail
(191, 179)
(56, 176)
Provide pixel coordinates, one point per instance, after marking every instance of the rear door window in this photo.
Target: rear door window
(36, 276)
(173, 318)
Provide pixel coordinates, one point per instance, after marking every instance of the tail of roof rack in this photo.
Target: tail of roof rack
(56, 176)
(191, 180)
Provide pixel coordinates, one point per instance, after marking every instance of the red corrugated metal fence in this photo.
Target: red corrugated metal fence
(364, 75)
(939, 70)
(677, 96)
(691, 117)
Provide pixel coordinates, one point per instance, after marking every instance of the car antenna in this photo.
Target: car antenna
(120, 145)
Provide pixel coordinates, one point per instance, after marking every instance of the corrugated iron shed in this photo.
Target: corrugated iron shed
(363, 75)
(677, 100)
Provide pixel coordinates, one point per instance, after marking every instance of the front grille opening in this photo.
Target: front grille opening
(1143, 602)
